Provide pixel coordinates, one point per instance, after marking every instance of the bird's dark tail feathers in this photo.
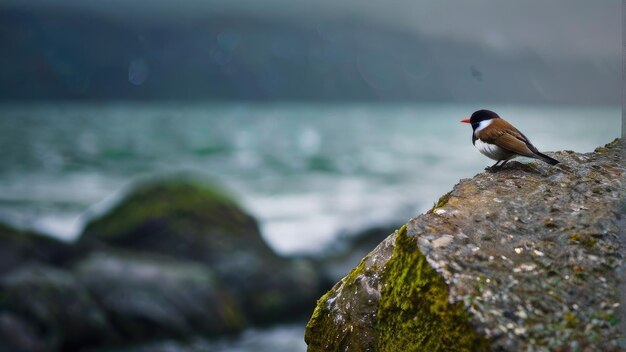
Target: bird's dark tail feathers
(546, 158)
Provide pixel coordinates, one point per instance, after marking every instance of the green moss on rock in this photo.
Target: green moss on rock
(443, 200)
(175, 199)
(324, 330)
(345, 317)
(392, 301)
(181, 218)
(605, 150)
(414, 313)
(582, 239)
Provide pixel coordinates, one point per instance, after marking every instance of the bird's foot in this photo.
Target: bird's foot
(495, 167)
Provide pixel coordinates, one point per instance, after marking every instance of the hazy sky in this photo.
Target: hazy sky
(549, 28)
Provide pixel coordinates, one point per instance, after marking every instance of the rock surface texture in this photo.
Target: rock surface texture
(527, 258)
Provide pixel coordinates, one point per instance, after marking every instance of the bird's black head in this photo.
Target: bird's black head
(481, 115)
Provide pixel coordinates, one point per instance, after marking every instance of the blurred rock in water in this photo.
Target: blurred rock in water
(150, 296)
(175, 259)
(18, 247)
(191, 221)
(47, 309)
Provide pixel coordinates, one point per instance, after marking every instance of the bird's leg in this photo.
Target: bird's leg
(494, 166)
(502, 165)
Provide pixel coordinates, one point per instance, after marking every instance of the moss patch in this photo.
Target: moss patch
(614, 143)
(326, 331)
(315, 328)
(414, 313)
(582, 239)
(443, 200)
(177, 200)
(605, 150)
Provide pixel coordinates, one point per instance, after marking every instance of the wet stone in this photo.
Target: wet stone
(524, 259)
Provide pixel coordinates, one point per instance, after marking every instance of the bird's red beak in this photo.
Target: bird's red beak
(466, 121)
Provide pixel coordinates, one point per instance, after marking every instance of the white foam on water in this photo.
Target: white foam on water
(309, 223)
(66, 227)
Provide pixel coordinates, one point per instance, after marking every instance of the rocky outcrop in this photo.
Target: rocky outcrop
(525, 258)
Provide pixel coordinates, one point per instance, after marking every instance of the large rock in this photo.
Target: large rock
(191, 221)
(47, 309)
(527, 258)
(21, 247)
(151, 296)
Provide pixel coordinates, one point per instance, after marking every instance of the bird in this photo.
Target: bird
(499, 140)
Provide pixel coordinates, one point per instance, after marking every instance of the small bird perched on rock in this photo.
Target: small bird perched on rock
(500, 141)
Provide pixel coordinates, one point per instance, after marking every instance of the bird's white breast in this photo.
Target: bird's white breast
(492, 151)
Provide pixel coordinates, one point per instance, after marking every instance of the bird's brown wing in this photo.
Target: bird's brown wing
(504, 135)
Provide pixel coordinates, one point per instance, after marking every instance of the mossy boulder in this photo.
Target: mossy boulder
(182, 218)
(192, 221)
(47, 309)
(150, 296)
(21, 247)
(526, 258)
(367, 312)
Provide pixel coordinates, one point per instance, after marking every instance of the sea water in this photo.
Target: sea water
(308, 172)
